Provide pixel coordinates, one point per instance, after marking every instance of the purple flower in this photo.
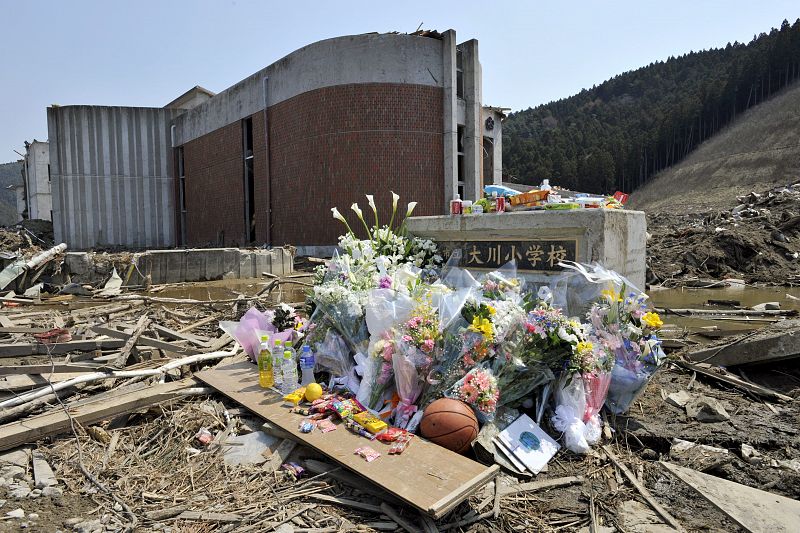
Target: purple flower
(385, 283)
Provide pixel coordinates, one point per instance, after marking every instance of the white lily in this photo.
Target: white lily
(395, 199)
(411, 206)
(360, 214)
(371, 200)
(338, 216)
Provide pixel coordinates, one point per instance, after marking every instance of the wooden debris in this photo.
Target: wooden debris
(753, 509)
(361, 506)
(722, 375)
(544, 484)
(55, 422)
(402, 522)
(435, 480)
(668, 518)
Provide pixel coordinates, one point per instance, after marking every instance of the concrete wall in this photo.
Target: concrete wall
(177, 266)
(473, 138)
(496, 133)
(614, 238)
(37, 178)
(367, 58)
(19, 191)
(111, 173)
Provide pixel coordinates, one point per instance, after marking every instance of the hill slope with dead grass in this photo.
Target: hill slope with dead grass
(759, 151)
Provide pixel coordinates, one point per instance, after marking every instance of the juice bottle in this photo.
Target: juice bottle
(265, 376)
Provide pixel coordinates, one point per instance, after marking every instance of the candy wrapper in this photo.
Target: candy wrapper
(579, 398)
(367, 453)
(400, 444)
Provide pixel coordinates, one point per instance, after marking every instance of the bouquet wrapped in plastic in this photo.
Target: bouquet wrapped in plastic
(581, 390)
(622, 324)
(478, 389)
(417, 343)
(579, 398)
(385, 311)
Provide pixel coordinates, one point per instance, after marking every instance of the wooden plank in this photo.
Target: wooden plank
(657, 507)
(22, 382)
(720, 375)
(754, 510)
(56, 421)
(180, 336)
(544, 484)
(426, 476)
(146, 341)
(58, 368)
(35, 348)
(21, 329)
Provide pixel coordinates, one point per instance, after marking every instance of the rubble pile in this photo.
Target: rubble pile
(758, 241)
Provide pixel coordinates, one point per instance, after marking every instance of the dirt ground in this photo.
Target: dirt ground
(153, 469)
(757, 240)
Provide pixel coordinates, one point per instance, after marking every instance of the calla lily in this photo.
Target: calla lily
(360, 214)
(395, 199)
(409, 210)
(371, 200)
(338, 216)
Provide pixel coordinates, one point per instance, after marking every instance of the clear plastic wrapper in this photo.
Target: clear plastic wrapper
(628, 381)
(578, 399)
(410, 368)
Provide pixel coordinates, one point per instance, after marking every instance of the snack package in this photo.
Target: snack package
(367, 453)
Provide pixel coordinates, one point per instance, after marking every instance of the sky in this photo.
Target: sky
(146, 53)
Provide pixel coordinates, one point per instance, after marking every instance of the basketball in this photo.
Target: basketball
(450, 424)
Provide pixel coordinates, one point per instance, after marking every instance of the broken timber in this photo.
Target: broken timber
(34, 348)
(778, 342)
(754, 510)
(721, 375)
(56, 421)
(426, 476)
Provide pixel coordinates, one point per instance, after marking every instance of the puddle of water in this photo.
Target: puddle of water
(227, 289)
(686, 298)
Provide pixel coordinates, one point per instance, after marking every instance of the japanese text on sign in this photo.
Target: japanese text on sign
(529, 255)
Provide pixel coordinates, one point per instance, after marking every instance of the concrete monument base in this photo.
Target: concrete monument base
(538, 240)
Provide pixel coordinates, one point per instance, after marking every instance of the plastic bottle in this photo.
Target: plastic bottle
(266, 377)
(455, 205)
(306, 366)
(277, 365)
(289, 367)
(545, 186)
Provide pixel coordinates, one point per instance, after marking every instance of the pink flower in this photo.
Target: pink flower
(427, 346)
(407, 338)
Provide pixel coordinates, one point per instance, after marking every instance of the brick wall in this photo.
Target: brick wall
(214, 188)
(328, 147)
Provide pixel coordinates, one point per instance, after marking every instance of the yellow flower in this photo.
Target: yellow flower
(491, 309)
(612, 295)
(482, 326)
(652, 320)
(584, 347)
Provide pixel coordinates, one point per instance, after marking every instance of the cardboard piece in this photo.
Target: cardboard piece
(428, 477)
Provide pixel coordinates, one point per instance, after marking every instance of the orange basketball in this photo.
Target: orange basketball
(450, 424)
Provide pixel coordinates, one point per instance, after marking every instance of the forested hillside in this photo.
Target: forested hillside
(618, 134)
(10, 174)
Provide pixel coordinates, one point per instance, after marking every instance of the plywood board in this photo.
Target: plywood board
(755, 510)
(31, 429)
(425, 476)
